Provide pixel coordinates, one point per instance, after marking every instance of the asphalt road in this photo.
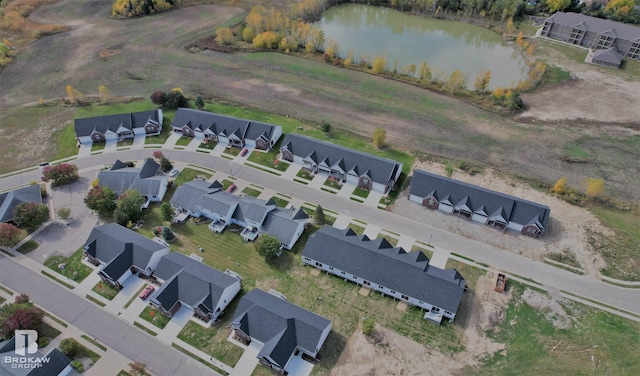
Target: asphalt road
(98, 323)
(618, 297)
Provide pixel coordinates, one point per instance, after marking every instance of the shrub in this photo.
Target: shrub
(69, 347)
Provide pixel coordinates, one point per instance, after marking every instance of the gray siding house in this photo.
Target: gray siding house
(121, 252)
(186, 282)
(226, 129)
(118, 127)
(345, 165)
(148, 179)
(594, 33)
(392, 271)
(56, 364)
(201, 199)
(287, 331)
(478, 204)
(9, 200)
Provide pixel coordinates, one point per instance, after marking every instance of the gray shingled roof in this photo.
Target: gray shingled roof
(378, 262)
(280, 325)
(120, 248)
(86, 126)
(224, 125)
(251, 208)
(282, 223)
(379, 169)
(188, 195)
(609, 55)
(514, 209)
(9, 200)
(144, 179)
(57, 362)
(597, 25)
(190, 282)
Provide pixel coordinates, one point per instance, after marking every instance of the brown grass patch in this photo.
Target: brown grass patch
(105, 54)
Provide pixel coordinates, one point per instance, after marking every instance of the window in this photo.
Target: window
(318, 264)
(405, 297)
(367, 283)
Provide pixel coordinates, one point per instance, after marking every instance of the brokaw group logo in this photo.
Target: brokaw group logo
(26, 344)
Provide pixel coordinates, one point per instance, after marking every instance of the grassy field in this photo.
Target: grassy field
(213, 340)
(74, 269)
(596, 343)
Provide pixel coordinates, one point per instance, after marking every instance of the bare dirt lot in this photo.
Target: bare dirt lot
(137, 56)
(568, 227)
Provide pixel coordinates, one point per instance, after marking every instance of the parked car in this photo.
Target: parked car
(231, 188)
(146, 292)
(244, 152)
(43, 165)
(173, 173)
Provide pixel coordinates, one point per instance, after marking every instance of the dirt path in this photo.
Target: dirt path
(568, 231)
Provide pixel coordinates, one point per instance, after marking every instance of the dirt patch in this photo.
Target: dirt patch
(568, 229)
(550, 304)
(388, 353)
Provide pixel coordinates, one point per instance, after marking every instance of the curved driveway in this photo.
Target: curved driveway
(622, 298)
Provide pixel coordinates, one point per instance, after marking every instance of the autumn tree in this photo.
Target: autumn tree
(520, 39)
(457, 81)
(560, 186)
(101, 199)
(248, 34)
(620, 9)
(9, 235)
(30, 215)
(224, 35)
(424, 72)
(104, 94)
(268, 246)
(60, 174)
(130, 203)
(64, 213)
(20, 315)
(482, 81)
(74, 95)
(379, 137)
(159, 97)
(166, 211)
(558, 5)
(176, 99)
(595, 188)
(138, 369)
(165, 164)
(379, 64)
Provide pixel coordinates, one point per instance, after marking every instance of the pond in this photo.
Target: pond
(369, 31)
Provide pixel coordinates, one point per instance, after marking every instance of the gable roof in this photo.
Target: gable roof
(9, 200)
(280, 325)
(609, 55)
(190, 282)
(120, 248)
(380, 170)
(283, 223)
(597, 25)
(377, 261)
(56, 364)
(513, 209)
(102, 124)
(145, 179)
(188, 195)
(224, 125)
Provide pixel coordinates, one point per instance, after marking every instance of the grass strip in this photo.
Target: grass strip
(563, 266)
(462, 257)
(91, 298)
(226, 157)
(134, 297)
(600, 304)
(199, 359)
(28, 246)
(300, 181)
(328, 190)
(356, 199)
(52, 317)
(94, 342)
(7, 253)
(6, 290)
(258, 167)
(138, 325)
(65, 284)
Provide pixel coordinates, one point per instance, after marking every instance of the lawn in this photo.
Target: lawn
(595, 343)
(304, 174)
(213, 340)
(468, 272)
(226, 183)
(425, 251)
(188, 174)
(154, 316)
(28, 246)
(66, 142)
(230, 150)
(268, 159)
(97, 146)
(251, 192)
(356, 228)
(84, 352)
(280, 201)
(105, 290)
(208, 145)
(361, 192)
(184, 141)
(330, 182)
(96, 109)
(393, 241)
(125, 142)
(46, 333)
(74, 269)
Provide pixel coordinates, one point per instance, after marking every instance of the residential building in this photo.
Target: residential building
(9, 200)
(345, 165)
(595, 33)
(118, 127)
(148, 180)
(53, 363)
(288, 332)
(392, 271)
(226, 129)
(479, 204)
(186, 282)
(201, 199)
(121, 252)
